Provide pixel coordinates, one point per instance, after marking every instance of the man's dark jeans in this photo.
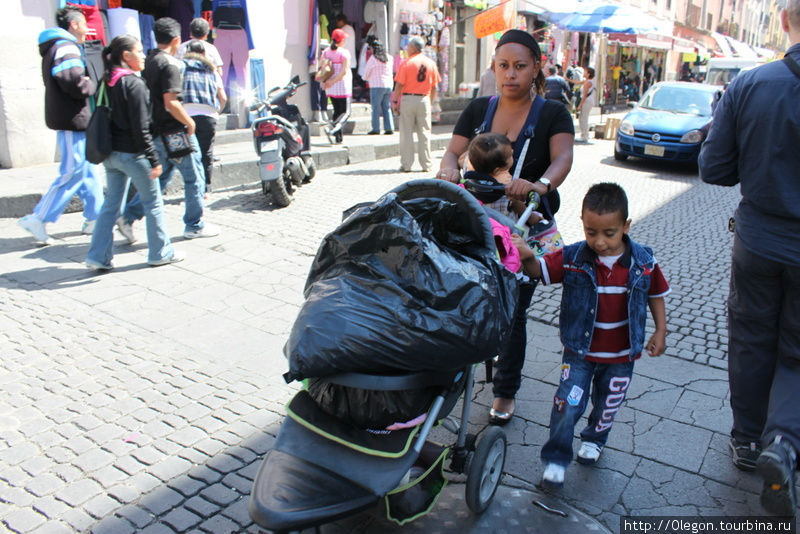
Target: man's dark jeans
(764, 347)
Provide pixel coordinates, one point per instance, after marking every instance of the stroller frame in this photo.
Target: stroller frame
(311, 477)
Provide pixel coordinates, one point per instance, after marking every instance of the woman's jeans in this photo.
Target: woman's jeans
(119, 166)
(380, 99)
(508, 369)
(609, 384)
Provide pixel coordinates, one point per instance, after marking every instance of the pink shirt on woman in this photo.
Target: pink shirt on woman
(344, 87)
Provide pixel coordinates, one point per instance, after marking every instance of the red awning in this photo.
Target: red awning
(646, 40)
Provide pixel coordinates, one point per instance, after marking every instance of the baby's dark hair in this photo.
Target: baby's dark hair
(488, 152)
(606, 197)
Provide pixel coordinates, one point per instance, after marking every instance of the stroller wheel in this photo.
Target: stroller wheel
(485, 469)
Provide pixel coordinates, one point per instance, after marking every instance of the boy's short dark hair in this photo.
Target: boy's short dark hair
(606, 197)
(198, 28)
(166, 29)
(66, 15)
(488, 152)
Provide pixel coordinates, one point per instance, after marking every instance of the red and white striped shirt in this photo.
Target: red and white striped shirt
(610, 338)
(379, 74)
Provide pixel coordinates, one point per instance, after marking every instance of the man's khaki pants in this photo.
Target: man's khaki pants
(415, 116)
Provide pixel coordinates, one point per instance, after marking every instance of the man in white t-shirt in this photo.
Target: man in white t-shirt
(199, 29)
(349, 43)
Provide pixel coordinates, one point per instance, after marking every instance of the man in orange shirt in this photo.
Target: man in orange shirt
(415, 82)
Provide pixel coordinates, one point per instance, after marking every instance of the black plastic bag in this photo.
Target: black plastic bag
(402, 286)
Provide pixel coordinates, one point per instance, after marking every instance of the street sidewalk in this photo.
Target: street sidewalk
(21, 188)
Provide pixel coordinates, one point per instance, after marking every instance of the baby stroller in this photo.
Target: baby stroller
(323, 467)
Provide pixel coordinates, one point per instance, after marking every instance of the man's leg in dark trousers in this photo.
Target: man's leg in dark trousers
(783, 414)
(754, 308)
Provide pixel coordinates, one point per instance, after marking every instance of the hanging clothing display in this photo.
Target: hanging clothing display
(123, 20)
(444, 59)
(146, 23)
(94, 21)
(232, 15)
(232, 47)
(375, 14)
(183, 12)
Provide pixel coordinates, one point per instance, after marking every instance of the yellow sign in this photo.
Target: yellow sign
(497, 19)
(689, 57)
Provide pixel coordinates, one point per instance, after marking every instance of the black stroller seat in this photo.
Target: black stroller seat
(322, 469)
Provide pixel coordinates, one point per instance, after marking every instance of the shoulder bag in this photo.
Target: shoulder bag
(98, 132)
(177, 143)
(324, 71)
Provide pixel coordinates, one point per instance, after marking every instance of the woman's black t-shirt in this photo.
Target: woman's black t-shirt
(553, 119)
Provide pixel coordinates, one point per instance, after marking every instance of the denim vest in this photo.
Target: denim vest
(579, 297)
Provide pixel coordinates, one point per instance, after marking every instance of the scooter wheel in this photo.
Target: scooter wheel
(282, 189)
(311, 166)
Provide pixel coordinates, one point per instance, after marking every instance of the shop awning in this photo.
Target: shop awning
(599, 17)
(683, 46)
(646, 40)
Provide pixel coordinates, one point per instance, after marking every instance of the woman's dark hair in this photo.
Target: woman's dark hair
(112, 54)
(526, 40)
(488, 152)
(590, 72)
(66, 15)
(195, 46)
(379, 51)
(341, 17)
(606, 197)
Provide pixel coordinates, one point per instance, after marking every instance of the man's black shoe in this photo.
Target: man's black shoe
(776, 466)
(744, 454)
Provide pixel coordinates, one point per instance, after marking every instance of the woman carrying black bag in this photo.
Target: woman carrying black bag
(542, 133)
(133, 156)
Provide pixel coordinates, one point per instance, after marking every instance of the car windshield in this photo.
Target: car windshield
(718, 76)
(678, 100)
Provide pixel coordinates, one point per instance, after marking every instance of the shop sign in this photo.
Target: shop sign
(497, 19)
(477, 4)
(690, 57)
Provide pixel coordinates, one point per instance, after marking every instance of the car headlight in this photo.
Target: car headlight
(626, 127)
(692, 136)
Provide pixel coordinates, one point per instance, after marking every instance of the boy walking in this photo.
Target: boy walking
(609, 281)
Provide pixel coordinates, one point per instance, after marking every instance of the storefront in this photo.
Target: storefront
(642, 61)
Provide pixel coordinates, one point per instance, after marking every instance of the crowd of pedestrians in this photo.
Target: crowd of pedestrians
(171, 97)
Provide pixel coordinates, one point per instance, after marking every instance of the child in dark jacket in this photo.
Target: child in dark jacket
(609, 281)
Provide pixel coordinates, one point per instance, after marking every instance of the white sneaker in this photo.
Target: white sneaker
(126, 229)
(36, 227)
(208, 230)
(175, 258)
(553, 475)
(97, 266)
(88, 227)
(589, 453)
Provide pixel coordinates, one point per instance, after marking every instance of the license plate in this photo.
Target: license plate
(268, 146)
(654, 150)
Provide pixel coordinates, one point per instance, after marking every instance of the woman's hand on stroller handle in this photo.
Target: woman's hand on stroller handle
(451, 175)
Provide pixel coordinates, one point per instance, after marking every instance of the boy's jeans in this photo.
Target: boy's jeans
(194, 185)
(609, 383)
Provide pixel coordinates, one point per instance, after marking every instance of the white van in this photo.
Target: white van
(722, 70)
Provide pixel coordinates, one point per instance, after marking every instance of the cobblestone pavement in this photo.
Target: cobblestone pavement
(140, 400)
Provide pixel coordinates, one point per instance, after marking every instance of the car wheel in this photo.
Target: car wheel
(619, 156)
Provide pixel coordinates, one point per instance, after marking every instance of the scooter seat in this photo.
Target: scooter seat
(290, 493)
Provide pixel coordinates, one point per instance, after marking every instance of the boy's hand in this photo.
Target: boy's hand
(657, 343)
(525, 252)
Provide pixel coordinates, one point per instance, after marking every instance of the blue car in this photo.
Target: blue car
(669, 123)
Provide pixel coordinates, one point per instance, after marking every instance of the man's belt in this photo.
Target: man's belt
(414, 94)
